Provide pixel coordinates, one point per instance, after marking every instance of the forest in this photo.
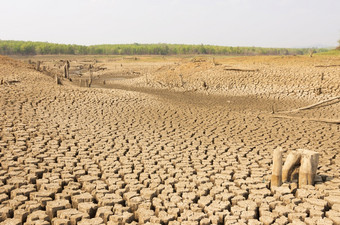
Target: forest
(8, 47)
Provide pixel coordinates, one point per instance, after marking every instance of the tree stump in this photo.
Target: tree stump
(309, 165)
(67, 70)
(276, 179)
(306, 161)
(57, 80)
(146, 79)
(318, 91)
(181, 79)
(38, 66)
(90, 80)
(292, 161)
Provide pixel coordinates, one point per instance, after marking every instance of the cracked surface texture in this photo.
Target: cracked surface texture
(72, 155)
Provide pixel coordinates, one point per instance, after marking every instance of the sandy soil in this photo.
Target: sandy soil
(129, 154)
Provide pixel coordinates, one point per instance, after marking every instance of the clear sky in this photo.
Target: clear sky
(266, 23)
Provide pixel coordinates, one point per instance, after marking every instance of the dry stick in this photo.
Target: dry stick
(334, 121)
(312, 106)
(241, 70)
(326, 65)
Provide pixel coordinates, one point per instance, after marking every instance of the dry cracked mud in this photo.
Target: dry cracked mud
(72, 155)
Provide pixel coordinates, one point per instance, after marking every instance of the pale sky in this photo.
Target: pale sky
(262, 23)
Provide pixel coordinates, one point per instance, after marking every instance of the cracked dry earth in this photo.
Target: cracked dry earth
(73, 155)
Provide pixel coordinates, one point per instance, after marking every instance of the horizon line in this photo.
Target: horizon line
(160, 43)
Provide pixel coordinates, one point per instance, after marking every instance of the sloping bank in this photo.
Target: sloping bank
(275, 77)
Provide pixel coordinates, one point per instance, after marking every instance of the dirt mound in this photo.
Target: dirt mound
(4, 60)
(16, 72)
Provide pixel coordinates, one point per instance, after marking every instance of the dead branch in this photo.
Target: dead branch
(241, 70)
(313, 105)
(327, 65)
(324, 120)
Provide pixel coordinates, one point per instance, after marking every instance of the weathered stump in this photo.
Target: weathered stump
(309, 165)
(90, 80)
(57, 80)
(67, 70)
(306, 161)
(292, 161)
(38, 66)
(276, 179)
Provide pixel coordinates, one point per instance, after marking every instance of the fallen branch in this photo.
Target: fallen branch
(313, 105)
(324, 120)
(241, 70)
(327, 65)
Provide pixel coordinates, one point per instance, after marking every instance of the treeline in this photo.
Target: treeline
(45, 48)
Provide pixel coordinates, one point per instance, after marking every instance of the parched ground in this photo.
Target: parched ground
(135, 155)
(264, 76)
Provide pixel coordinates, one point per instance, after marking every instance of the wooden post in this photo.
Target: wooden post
(276, 179)
(309, 165)
(292, 161)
